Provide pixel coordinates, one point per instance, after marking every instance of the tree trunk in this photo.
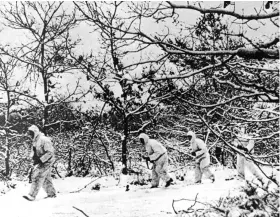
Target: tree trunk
(254, 53)
(45, 78)
(7, 157)
(70, 160)
(107, 153)
(124, 145)
(220, 155)
(7, 154)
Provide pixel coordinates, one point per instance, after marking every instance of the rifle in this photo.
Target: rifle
(30, 171)
(147, 162)
(36, 160)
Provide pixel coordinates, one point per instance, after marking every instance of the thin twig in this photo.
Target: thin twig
(173, 206)
(205, 204)
(86, 185)
(81, 211)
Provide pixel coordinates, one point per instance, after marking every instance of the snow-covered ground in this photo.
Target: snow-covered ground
(113, 200)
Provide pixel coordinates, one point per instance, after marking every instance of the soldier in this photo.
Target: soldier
(245, 143)
(158, 156)
(43, 157)
(202, 158)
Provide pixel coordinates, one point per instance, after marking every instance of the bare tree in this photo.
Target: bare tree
(45, 49)
(211, 67)
(108, 74)
(9, 114)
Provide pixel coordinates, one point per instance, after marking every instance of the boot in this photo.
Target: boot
(28, 197)
(51, 196)
(168, 182)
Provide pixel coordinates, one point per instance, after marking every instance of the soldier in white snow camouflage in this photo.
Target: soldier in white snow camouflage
(158, 156)
(43, 156)
(202, 158)
(245, 143)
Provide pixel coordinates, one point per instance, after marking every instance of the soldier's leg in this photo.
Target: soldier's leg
(38, 178)
(162, 168)
(197, 174)
(240, 166)
(207, 172)
(48, 185)
(155, 177)
(255, 171)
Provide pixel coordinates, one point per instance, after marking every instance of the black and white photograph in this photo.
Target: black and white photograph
(139, 109)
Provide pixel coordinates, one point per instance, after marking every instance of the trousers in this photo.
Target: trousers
(198, 172)
(41, 177)
(242, 163)
(159, 170)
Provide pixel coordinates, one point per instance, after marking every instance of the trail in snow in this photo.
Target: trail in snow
(112, 200)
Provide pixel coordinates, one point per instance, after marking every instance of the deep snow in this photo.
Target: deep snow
(112, 200)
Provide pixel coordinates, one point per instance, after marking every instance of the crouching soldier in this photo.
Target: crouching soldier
(43, 157)
(202, 158)
(158, 156)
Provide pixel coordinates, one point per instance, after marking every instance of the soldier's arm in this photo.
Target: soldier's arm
(149, 149)
(238, 145)
(235, 143)
(250, 145)
(31, 152)
(48, 148)
(202, 148)
(154, 154)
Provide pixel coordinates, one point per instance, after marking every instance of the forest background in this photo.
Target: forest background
(94, 75)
